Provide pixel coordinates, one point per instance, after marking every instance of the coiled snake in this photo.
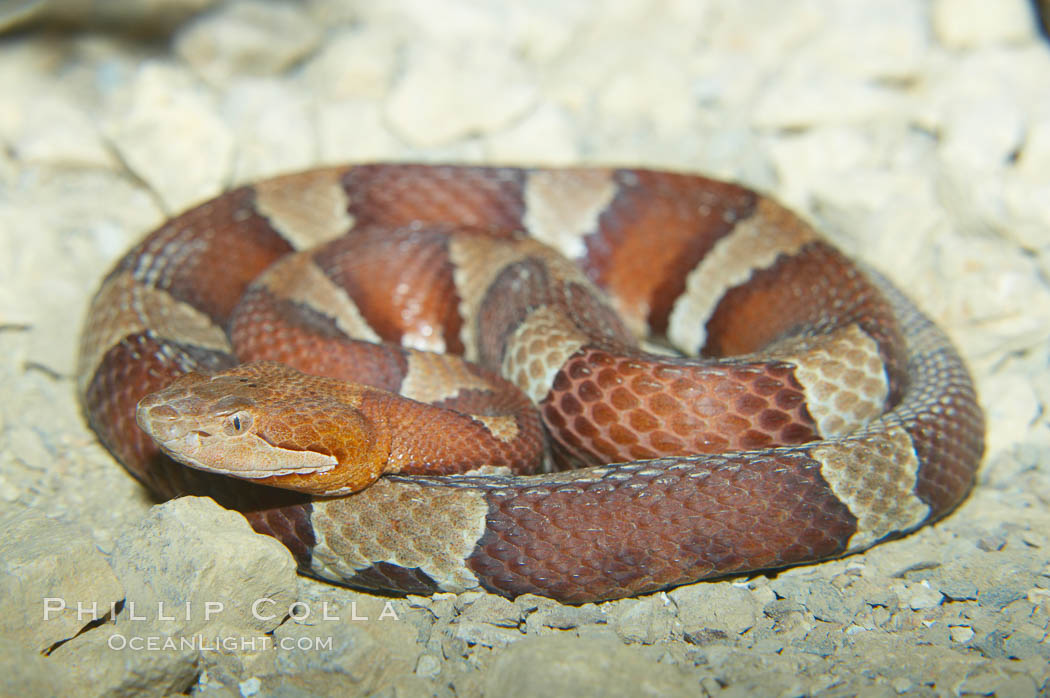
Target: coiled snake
(826, 414)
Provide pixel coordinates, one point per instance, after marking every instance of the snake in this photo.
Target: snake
(582, 383)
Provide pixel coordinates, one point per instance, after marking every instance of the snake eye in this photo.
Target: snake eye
(238, 423)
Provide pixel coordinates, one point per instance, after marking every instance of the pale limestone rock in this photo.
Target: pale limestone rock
(354, 130)
(1012, 405)
(489, 608)
(195, 576)
(53, 582)
(485, 634)
(645, 621)
(134, 16)
(1027, 190)
(353, 64)
(450, 93)
(999, 682)
(428, 666)
(92, 215)
(25, 672)
(275, 124)
(969, 23)
(104, 662)
(803, 99)
(885, 41)
(365, 656)
(546, 617)
(247, 38)
(545, 136)
(170, 134)
(997, 289)
(52, 129)
(564, 666)
(981, 133)
(190, 551)
(921, 596)
(444, 21)
(652, 89)
(721, 606)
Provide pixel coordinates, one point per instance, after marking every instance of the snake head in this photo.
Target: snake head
(267, 423)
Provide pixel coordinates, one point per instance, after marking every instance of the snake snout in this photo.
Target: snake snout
(160, 421)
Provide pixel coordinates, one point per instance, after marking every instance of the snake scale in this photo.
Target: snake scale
(664, 378)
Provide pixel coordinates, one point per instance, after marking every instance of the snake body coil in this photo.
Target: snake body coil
(825, 415)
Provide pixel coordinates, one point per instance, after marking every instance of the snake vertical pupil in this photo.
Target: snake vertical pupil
(238, 423)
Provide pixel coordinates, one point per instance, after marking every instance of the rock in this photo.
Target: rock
(1027, 641)
(24, 672)
(428, 666)
(195, 563)
(822, 599)
(159, 101)
(920, 596)
(968, 23)
(354, 130)
(489, 608)
(654, 77)
(978, 133)
(645, 621)
(53, 582)
(821, 640)
(722, 606)
(112, 661)
(276, 122)
(996, 682)
(887, 42)
(484, 634)
(94, 213)
(247, 38)
(353, 64)
(542, 615)
(995, 596)
(196, 579)
(1027, 194)
(361, 657)
(450, 93)
(53, 129)
(562, 666)
(545, 137)
(133, 16)
(816, 99)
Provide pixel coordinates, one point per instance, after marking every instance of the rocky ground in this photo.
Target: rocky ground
(915, 133)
